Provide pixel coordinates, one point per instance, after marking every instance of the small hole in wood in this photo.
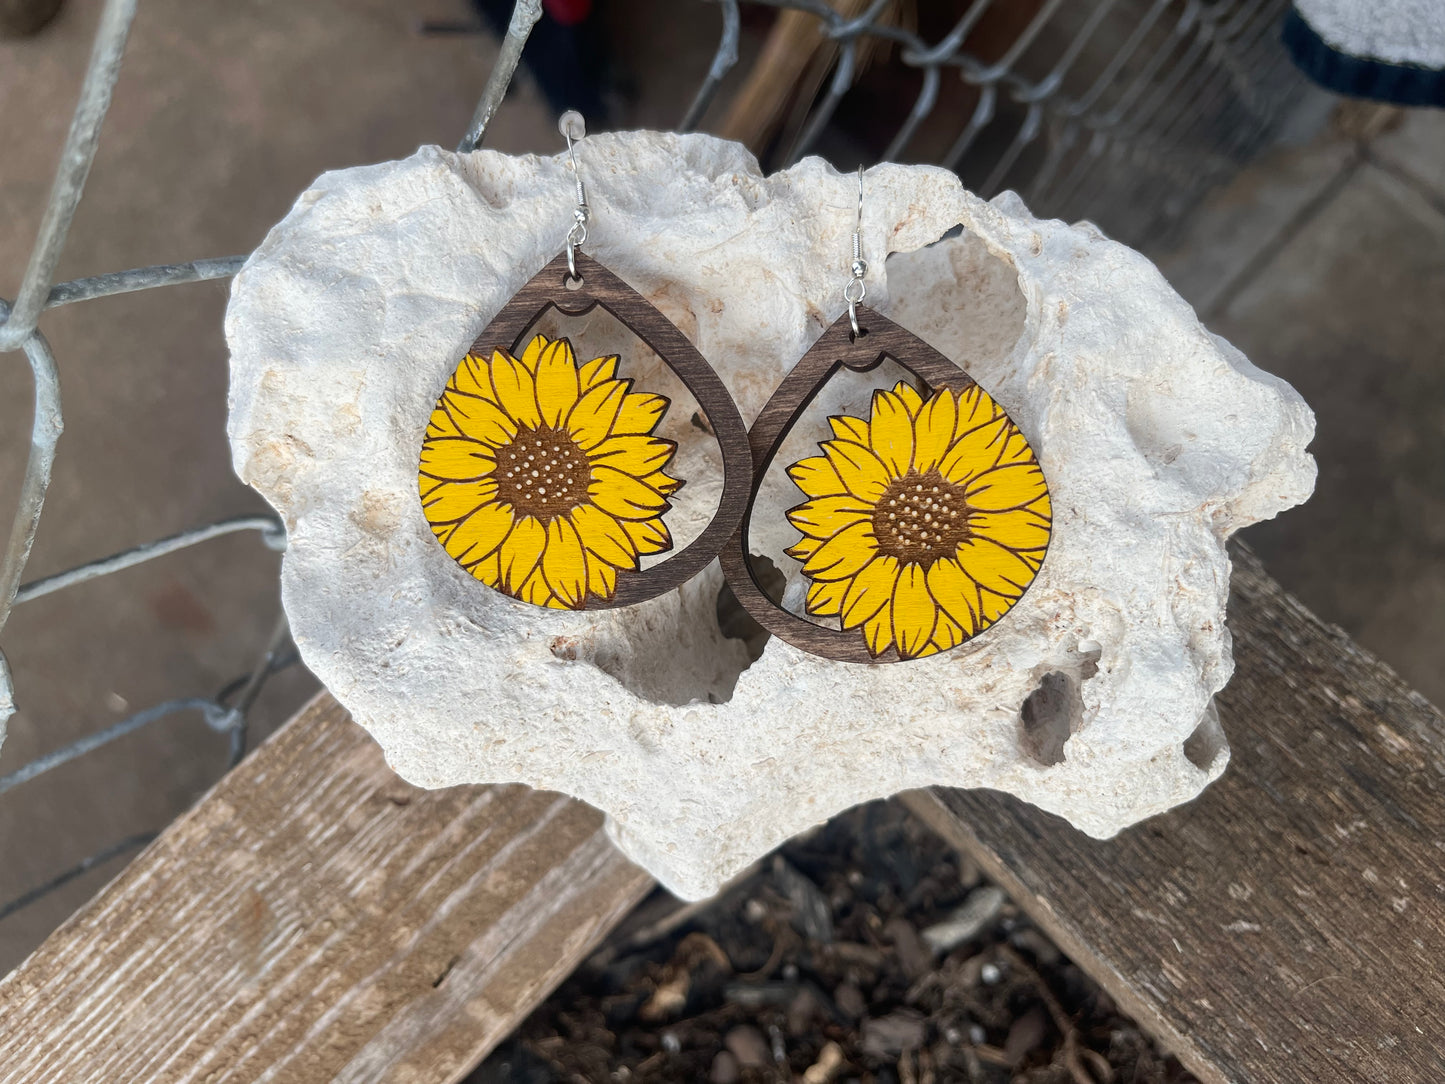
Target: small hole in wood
(572, 283)
(446, 971)
(854, 336)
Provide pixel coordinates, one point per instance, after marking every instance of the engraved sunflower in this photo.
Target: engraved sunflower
(923, 524)
(542, 478)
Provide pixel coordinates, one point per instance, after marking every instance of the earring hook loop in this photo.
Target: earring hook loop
(857, 290)
(572, 126)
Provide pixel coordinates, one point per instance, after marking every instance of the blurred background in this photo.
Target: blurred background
(1307, 229)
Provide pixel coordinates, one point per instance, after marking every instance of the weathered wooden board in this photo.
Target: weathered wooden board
(316, 919)
(1289, 925)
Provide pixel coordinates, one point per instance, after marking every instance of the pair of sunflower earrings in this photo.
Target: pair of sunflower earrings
(542, 476)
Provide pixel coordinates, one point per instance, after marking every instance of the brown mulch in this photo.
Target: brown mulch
(867, 951)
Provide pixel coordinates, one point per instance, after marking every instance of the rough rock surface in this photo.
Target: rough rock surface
(1157, 438)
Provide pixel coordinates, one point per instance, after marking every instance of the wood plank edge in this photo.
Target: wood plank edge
(930, 807)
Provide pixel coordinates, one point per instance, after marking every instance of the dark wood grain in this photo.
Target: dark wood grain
(1288, 925)
(596, 286)
(315, 919)
(838, 348)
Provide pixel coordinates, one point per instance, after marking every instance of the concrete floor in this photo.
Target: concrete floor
(1325, 263)
(223, 114)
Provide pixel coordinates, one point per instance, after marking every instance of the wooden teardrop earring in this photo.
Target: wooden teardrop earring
(921, 525)
(540, 473)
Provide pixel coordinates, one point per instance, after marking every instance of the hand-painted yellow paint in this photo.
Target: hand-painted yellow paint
(542, 478)
(923, 524)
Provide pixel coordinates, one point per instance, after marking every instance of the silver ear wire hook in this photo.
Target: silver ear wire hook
(572, 126)
(857, 290)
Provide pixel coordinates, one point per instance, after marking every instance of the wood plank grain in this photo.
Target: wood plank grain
(314, 918)
(1288, 925)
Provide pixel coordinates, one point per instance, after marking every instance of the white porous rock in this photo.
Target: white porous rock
(1158, 440)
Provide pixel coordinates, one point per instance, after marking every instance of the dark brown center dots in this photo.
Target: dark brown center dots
(542, 473)
(921, 518)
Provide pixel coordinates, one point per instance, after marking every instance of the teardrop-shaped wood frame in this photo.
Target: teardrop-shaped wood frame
(838, 348)
(597, 286)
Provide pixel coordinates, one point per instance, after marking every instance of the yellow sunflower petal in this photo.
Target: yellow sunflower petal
(909, 397)
(557, 389)
(564, 563)
(994, 568)
(448, 502)
(1008, 487)
(825, 598)
(1015, 448)
(861, 472)
(663, 483)
(804, 548)
(648, 535)
(878, 631)
(914, 611)
(604, 538)
(516, 390)
(634, 454)
(532, 352)
(849, 428)
(440, 425)
(973, 453)
(640, 413)
(823, 517)
(596, 371)
(994, 606)
(456, 459)
(601, 579)
(955, 593)
(480, 419)
(975, 407)
(933, 431)
(1019, 529)
(947, 634)
(534, 590)
(472, 379)
(488, 569)
(816, 477)
(870, 590)
(480, 534)
(844, 554)
(521, 551)
(623, 496)
(593, 415)
(890, 431)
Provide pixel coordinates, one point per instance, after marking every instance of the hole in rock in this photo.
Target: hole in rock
(1207, 743)
(1049, 715)
(1054, 710)
(735, 622)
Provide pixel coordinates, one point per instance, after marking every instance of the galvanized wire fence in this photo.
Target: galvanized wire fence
(1123, 111)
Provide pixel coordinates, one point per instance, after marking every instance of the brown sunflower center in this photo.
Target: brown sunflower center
(921, 518)
(542, 473)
